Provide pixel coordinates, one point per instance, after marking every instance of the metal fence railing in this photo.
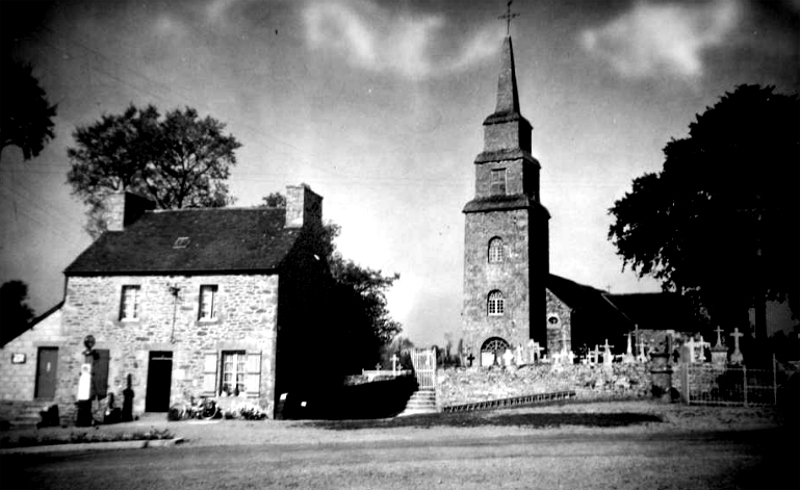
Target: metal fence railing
(708, 384)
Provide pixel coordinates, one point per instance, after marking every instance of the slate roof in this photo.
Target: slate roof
(220, 240)
(586, 298)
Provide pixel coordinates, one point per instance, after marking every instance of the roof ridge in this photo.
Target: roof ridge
(224, 208)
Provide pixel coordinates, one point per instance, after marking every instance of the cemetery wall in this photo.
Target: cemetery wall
(456, 386)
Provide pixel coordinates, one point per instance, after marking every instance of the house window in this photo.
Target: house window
(208, 303)
(495, 253)
(498, 182)
(495, 303)
(129, 303)
(233, 372)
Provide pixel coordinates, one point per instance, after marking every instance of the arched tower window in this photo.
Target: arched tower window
(495, 303)
(495, 252)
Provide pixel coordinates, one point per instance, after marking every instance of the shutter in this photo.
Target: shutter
(100, 373)
(253, 374)
(210, 374)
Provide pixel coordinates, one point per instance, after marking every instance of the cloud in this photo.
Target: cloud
(655, 39)
(369, 37)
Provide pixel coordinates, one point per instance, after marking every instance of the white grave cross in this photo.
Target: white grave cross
(394, 362)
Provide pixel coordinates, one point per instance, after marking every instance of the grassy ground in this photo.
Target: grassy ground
(629, 416)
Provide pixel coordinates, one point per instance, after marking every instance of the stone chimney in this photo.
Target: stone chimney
(303, 206)
(123, 208)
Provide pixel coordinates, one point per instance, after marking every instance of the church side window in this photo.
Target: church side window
(495, 303)
(129, 303)
(498, 182)
(495, 253)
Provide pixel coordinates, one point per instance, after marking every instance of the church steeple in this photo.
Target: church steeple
(506, 129)
(508, 102)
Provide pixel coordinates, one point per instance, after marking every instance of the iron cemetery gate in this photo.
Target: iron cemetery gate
(425, 368)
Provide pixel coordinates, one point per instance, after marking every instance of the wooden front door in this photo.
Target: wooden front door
(159, 379)
(46, 367)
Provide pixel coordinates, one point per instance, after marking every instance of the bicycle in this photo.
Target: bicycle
(204, 409)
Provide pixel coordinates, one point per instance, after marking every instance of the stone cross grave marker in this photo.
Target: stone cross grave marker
(719, 344)
(736, 356)
(629, 357)
(508, 357)
(519, 358)
(641, 348)
(699, 349)
(607, 353)
(394, 362)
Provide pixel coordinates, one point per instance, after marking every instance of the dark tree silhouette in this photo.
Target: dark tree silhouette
(14, 311)
(177, 161)
(720, 222)
(357, 301)
(26, 116)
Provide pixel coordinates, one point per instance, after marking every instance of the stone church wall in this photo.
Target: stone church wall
(246, 321)
(456, 386)
(511, 277)
(556, 309)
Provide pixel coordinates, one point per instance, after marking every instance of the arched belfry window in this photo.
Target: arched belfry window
(495, 303)
(495, 251)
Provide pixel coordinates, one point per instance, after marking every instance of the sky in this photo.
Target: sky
(378, 106)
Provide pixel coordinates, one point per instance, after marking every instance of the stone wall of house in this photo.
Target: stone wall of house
(18, 380)
(245, 320)
(457, 386)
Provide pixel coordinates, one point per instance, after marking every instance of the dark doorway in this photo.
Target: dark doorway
(159, 379)
(46, 367)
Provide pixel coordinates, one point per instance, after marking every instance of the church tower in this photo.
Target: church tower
(506, 233)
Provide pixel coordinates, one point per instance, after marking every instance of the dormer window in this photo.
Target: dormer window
(498, 182)
(181, 242)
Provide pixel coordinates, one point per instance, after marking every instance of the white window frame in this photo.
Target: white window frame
(207, 302)
(129, 302)
(495, 250)
(495, 303)
(234, 371)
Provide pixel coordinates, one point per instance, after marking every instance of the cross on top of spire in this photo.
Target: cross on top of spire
(508, 16)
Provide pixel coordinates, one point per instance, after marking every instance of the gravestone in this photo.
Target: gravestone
(719, 352)
(736, 356)
(508, 358)
(641, 357)
(628, 358)
(700, 349)
(519, 358)
(607, 354)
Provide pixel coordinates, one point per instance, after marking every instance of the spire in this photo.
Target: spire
(508, 102)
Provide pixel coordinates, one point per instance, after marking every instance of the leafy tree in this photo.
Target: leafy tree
(719, 223)
(177, 161)
(26, 116)
(274, 200)
(14, 311)
(358, 302)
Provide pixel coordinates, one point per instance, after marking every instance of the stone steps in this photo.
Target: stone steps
(421, 401)
(21, 414)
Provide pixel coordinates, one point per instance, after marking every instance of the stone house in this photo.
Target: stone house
(184, 303)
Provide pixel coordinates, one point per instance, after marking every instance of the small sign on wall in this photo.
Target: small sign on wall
(18, 358)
